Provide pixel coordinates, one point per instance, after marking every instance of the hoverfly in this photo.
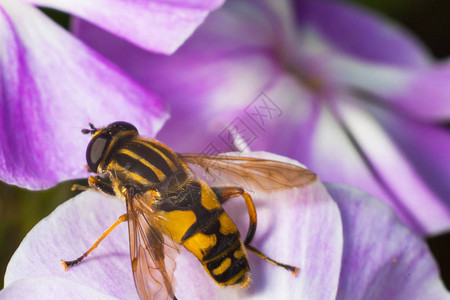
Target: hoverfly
(167, 205)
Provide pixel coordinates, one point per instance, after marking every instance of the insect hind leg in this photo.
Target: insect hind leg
(294, 270)
(225, 193)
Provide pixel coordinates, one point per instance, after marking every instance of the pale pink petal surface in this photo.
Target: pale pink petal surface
(52, 86)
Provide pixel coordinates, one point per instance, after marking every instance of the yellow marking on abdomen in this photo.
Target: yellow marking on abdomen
(238, 254)
(226, 263)
(177, 222)
(209, 199)
(199, 244)
(226, 224)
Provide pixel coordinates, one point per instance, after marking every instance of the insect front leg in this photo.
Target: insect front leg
(67, 264)
(96, 184)
(225, 193)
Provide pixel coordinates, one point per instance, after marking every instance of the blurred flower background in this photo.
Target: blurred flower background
(20, 210)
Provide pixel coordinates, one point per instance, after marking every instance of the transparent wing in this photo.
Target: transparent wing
(152, 253)
(250, 173)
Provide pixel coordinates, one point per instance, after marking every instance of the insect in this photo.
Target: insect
(167, 205)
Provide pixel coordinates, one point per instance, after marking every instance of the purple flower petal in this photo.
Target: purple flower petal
(234, 62)
(425, 145)
(300, 227)
(53, 85)
(421, 93)
(406, 193)
(53, 287)
(382, 259)
(426, 94)
(159, 26)
(66, 234)
(362, 34)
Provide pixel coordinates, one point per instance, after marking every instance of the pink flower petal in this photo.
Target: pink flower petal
(159, 26)
(382, 259)
(53, 85)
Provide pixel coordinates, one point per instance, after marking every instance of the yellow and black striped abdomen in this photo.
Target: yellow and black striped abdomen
(226, 261)
(194, 218)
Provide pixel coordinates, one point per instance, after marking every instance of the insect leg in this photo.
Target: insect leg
(261, 255)
(227, 192)
(96, 184)
(68, 264)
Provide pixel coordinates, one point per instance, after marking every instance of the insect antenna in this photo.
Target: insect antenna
(89, 131)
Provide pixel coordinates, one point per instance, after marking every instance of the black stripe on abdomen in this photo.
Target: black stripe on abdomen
(135, 166)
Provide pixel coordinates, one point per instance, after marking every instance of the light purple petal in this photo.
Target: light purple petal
(159, 26)
(422, 93)
(52, 85)
(374, 164)
(427, 146)
(217, 79)
(382, 259)
(362, 34)
(203, 70)
(426, 94)
(330, 153)
(50, 287)
(300, 227)
(411, 198)
(69, 231)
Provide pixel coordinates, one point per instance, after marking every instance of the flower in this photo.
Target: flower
(350, 94)
(347, 244)
(52, 84)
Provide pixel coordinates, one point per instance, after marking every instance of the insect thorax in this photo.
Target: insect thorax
(146, 164)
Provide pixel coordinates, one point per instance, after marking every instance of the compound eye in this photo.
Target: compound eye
(95, 151)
